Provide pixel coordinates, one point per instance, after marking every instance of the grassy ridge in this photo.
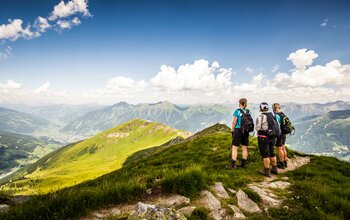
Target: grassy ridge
(93, 157)
(187, 168)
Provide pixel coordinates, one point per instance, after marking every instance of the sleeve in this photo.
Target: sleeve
(258, 123)
(236, 113)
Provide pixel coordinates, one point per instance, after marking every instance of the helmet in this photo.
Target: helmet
(264, 106)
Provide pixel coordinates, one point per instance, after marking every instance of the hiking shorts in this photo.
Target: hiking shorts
(281, 140)
(238, 138)
(266, 147)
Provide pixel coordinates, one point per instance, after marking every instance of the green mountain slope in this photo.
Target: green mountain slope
(327, 134)
(96, 156)
(18, 122)
(18, 150)
(319, 190)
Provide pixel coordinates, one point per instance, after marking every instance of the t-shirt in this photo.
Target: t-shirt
(238, 114)
(278, 118)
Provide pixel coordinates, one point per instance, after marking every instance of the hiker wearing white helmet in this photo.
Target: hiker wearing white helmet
(268, 129)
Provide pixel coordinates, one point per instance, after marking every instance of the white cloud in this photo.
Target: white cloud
(275, 68)
(324, 23)
(63, 10)
(68, 24)
(10, 84)
(199, 76)
(302, 58)
(248, 70)
(14, 30)
(6, 53)
(42, 24)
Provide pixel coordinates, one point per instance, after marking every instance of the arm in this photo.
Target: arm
(234, 122)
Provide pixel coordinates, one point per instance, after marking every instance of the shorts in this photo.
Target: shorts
(239, 138)
(281, 140)
(266, 147)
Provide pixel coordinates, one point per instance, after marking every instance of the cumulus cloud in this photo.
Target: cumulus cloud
(302, 58)
(249, 70)
(198, 76)
(68, 24)
(14, 30)
(63, 10)
(42, 24)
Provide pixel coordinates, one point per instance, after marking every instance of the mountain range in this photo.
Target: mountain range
(326, 134)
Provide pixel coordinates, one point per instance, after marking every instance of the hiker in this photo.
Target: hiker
(241, 126)
(268, 129)
(286, 128)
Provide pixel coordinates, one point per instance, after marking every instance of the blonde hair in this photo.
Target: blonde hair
(276, 107)
(243, 102)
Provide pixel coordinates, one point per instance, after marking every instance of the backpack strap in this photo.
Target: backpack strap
(246, 112)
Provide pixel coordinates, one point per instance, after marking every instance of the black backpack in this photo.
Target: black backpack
(286, 124)
(247, 123)
(273, 130)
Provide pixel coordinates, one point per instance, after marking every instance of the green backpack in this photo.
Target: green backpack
(286, 124)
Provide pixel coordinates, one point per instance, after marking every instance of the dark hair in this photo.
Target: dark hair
(243, 102)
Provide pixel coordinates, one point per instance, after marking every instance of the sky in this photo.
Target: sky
(183, 51)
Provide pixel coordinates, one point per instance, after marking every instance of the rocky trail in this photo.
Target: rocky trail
(217, 200)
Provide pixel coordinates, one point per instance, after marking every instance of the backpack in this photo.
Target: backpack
(247, 123)
(274, 129)
(286, 124)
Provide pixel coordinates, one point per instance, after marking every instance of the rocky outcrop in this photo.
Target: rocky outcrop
(237, 214)
(267, 197)
(148, 211)
(187, 211)
(210, 202)
(173, 201)
(220, 191)
(246, 204)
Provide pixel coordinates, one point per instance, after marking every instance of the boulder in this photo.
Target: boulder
(147, 211)
(232, 191)
(187, 211)
(246, 204)
(173, 201)
(4, 207)
(220, 191)
(265, 196)
(237, 214)
(209, 201)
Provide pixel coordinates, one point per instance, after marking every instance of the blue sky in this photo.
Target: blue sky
(132, 39)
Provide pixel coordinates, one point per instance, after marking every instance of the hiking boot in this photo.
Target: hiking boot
(280, 165)
(265, 172)
(285, 164)
(274, 170)
(243, 163)
(232, 166)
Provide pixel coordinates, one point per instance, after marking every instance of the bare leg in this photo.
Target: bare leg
(234, 152)
(244, 152)
(267, 163)
(285, 152)
(273, 161)
(281, 153)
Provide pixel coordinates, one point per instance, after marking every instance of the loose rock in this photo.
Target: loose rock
(4, 207)
(237, 213)
(246, 204)
(220, 191)
(266, 199)
(187, 211)
(173, 201)
(148, 211)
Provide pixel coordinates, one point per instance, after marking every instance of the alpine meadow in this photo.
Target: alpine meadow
(174, 109)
